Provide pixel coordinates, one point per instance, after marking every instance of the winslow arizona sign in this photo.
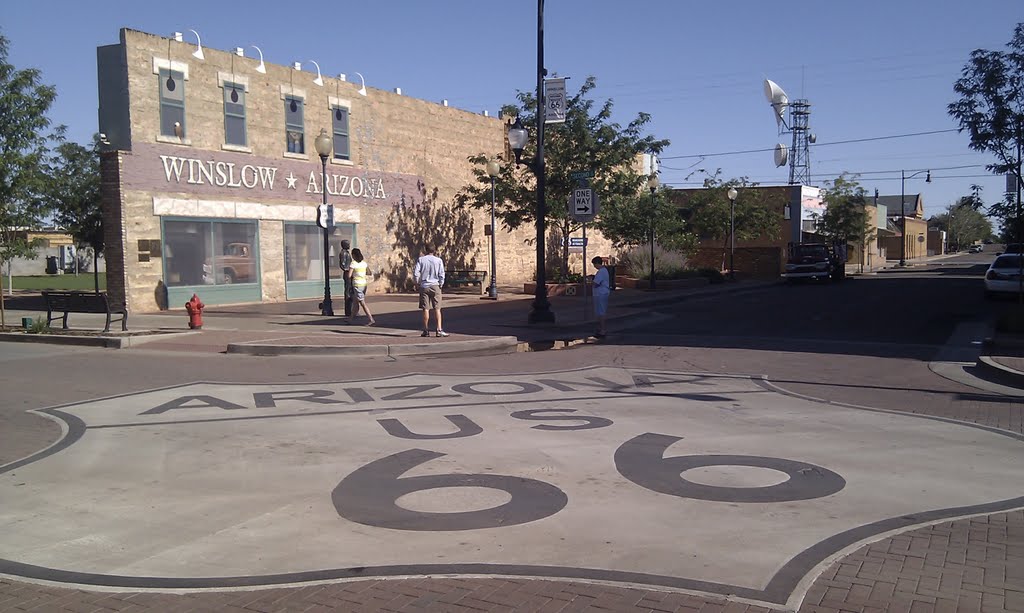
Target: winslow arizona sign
(166, 169)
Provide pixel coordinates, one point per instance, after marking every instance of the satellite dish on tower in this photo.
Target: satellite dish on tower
(781, 155)
(777, 98)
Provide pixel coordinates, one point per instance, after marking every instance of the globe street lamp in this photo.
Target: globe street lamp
(493, 170)
(732, 193)
(903, 210)
(323, 146)
(517, 135)
(652, 184)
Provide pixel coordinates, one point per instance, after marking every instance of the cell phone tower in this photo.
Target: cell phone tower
(799, 157)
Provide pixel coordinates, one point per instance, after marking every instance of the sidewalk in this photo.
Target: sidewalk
(475, 324)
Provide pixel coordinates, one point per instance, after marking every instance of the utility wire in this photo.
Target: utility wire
(838, 142)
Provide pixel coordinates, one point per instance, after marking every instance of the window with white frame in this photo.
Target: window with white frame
(234, 114)
(294, 126)
(172, 103)
(339, 119)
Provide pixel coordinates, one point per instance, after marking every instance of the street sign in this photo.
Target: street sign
(325, 216)
(583, 204)
(554, 100)
(581, 174)
(577, 241)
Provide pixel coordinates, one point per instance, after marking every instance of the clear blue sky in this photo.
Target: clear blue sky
(871, 68)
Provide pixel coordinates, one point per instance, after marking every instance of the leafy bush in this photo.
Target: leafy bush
(38, 327)
(713, 275)
(667, 264)
(572, 277)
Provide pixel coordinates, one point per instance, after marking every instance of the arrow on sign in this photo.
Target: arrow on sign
(582, 198)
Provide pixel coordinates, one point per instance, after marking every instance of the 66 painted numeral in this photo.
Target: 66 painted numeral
(368, 496)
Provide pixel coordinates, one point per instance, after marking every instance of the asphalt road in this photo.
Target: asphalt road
(867, 342)
(896, 311)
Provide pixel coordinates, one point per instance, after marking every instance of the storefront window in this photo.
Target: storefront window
(304, 247)
(198, 252)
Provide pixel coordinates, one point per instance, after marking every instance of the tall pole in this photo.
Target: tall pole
(493, 290)
(1020, 230)
(652, 239)
(903, 216)
(732, 238)
(541, 311)
(326, 308)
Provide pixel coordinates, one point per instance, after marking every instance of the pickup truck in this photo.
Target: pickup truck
(237, 265)
(815, 261)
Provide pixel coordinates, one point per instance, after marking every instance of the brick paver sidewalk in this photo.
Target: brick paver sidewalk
(966, 565)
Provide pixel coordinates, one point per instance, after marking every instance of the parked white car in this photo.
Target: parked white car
(1003, 275)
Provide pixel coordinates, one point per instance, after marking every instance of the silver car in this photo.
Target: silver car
(1003, 275)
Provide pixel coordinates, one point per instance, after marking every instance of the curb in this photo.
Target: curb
(108, 342)
(494, 344)
(1001, 374)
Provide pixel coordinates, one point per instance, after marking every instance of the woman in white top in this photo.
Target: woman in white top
(602, 288)
(359, 268)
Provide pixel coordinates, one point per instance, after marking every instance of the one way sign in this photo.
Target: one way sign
(583, 204)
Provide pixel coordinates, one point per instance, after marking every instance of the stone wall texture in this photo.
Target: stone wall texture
(409, 155)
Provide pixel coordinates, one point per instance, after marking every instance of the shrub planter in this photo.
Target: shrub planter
(661, 284)
(556, 289)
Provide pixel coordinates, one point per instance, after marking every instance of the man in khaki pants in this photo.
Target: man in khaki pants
(429, 277)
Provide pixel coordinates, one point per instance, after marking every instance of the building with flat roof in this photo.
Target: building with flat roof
(211, 180)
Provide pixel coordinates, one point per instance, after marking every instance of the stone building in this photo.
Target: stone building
(211, 180)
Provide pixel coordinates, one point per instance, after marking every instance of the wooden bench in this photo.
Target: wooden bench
(457, 279)
(82, 302)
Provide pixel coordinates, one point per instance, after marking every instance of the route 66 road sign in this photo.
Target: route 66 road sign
(583, 204)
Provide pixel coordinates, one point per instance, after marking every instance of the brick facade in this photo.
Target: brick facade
(408, 159)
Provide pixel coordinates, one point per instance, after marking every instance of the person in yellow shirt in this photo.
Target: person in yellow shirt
(359, 268)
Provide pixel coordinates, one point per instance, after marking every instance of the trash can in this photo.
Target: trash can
(51, 264)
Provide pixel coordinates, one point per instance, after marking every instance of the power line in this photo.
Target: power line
(838, 142)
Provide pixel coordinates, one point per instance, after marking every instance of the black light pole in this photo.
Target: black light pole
(323, 146)
(493, 170)
(732, 193)
(652, 184)
(903, 210)
(517, 135)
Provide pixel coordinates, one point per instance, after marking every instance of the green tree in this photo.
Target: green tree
(24, 102)
(963, 222)
(74, 191)
(631, 224)
(710, 214)
(845, 217)
(991, 110)
(588, 140)
(964, 225)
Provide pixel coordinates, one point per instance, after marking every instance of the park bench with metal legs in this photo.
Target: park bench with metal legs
(456, 279)
(82, 302)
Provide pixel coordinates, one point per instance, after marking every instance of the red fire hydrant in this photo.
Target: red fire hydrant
(195, 307)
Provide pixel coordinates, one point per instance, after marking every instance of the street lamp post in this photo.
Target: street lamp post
(541, 311)
(324, 144)
(493, 170)
(652, 184)
(732, 193)
(903, 210)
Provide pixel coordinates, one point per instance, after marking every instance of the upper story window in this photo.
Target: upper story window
(234, 114)
(172, 103)
(294, 127)
(339, 119)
